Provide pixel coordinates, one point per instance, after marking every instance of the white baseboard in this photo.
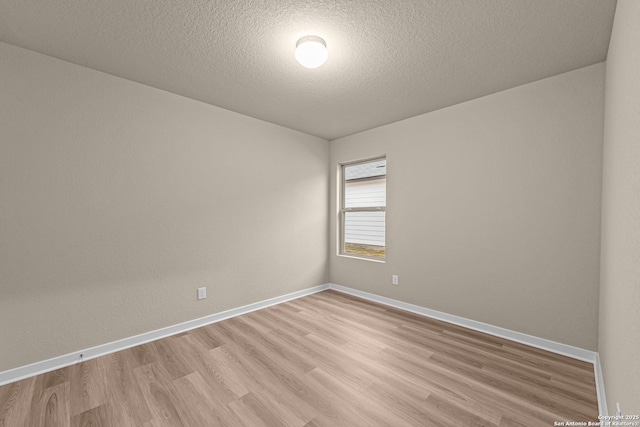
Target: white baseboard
(530, 340)
(52, 364)
(602, 398)
(58, 362)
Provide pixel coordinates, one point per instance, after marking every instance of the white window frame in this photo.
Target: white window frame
(343, 211)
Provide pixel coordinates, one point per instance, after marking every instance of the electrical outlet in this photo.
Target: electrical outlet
(202, 293)
(394, 279)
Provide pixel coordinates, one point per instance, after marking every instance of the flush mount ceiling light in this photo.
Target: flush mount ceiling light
(311, 51)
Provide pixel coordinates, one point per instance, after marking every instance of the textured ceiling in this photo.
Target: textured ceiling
(388, 60)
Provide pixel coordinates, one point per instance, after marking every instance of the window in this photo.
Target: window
(362, 209)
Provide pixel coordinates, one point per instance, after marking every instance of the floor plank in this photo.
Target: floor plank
(328, 359)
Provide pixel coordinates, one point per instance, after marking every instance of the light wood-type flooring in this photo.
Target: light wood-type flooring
(327, 359)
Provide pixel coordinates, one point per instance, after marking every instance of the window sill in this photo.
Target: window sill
(379, 261)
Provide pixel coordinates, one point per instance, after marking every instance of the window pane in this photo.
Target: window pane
(365, 194)
(364, 233)
(375, 168)
(365, 184)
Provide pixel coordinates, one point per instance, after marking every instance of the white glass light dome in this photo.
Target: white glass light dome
(311, 51)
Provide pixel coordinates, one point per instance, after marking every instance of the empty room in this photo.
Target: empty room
(319, 213)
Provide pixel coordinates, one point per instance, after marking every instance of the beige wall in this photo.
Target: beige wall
(619, 344)
(493, 208)
(118, 200)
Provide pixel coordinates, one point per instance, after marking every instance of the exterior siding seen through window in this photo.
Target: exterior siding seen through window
(363, 209)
